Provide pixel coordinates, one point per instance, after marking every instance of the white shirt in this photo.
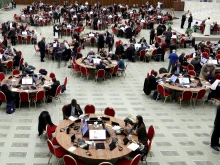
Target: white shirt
(66, 45)
(73, 111)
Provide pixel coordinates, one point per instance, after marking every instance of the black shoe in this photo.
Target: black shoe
(215, 148)
(42, 60)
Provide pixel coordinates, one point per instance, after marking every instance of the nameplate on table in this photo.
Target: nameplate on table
(71, 149)
(133, 146)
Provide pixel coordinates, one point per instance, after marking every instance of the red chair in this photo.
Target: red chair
(142, 55)
(2, 76)
(79, 49)
(69, 160)
(208, 43)
(28, 39)
(9, 66)
(109, 111)
(20, 53)
(190, 67)
(181, 44)
(36, 50)
(40, 96)
(3, 97)
(207, 50)
(92, 41)
(100, 74)
(217, 57)
(163, 92)
(21, 62)
(125, 161)
(65, 82)
(52, 75)
(89, 108)
(154, 53)
(100, 26)
(84, 72)
(117, 43)
(63, 110)
(2, 51)
(201, 28)
(217, 76)
(57, 152)
(186, 95)
(198, 95)
(205, 55)
(20, 39)
(56, 96)
(50, 136)
(77, 68)
(15, 72)
(24, 97)
(113, 71)
(192, 73)
(150, 135)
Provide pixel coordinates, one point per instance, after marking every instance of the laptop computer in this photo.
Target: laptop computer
(184, 80)
(85, 129)
(27, 81)
(97, 134)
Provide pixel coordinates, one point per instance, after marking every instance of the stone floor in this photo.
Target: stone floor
(182, 135)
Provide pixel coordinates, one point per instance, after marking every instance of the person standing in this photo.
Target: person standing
(152, 36)
(42, 47)
(216, 132)
(101, 41)
(183, 20)
(190, 20)
(12, 34)
(207, 27)
(173, 60)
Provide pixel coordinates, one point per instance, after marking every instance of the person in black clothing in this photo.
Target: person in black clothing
(101, 41)
(152, 81)
(109, 42)
(130, 53)
(16, 60)
(190, 20)
(172, 47)
(152, 36)
(53, 89)
(168, 37)
(76, 45)
(4, 29)
(177, 69)
(132, 40)
(8, 93)
(119, 49)
(12, 34)
(159, 30)
(42, 47)
(128, 32)
(95, 23)
(100, 66)
(183, 60)
(142, 40)
(216, 131)
(183, 20)
(72, 109)
(197, 66)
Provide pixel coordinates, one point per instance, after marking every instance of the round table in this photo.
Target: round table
(99, 155)
(85, 63)
(15, 81)
(177, 88)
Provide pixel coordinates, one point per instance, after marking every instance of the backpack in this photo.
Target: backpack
(10, 108)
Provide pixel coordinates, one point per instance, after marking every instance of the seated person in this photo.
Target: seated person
(16, 60)
(142, 41)
(29, 69)
(132, 40)
(10, 51)
(141, 48)
(91, 52)
(121, 63)
(152, 81)
(177, 69)
(113, 56)
(100, 66)
(172, 46)
(52, 90)
(197, 66)
(215, 91)
(189, 39)
(198, 53)
(72, 109)
(102, 52)
(150, 52)
(183, 60)
(208, 71)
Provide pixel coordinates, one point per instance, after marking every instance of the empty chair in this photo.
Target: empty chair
(142, 55)
(199, 95)
(40, 96)
(125, 161)
(190, 67)
(150, 135)
(192, 73)
(52, 75)
(69, 160)
(100, 74)
(109, 111)
(89, 108)
(2, 76)
(9, 66)
(15, 72)
(163, 92)
(24, 97)
(85, 72)
(57, 152)
(186, 95)
(217, 76)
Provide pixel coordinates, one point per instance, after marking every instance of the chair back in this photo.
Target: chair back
(58, 91)
(49, 132)
(64, 108)
(15, 72)
(100, 73)
(109, 111)
(50, 146)
(115, 69)
(28, 38)
(21, 62)
(105, 163)
(2, 97)
(217, 57)
(201, 94)
(142, 53)
(10, 65)
(74, 60)
(92, 40)
(207, 51)
(190, 67)
(89, 108)
(160, 89)
(136, 159)
(192, 73)
(83, 70)
(154, 52)
(40, 95)
(187, 56)
(187, 95)
(205, 55)
(52, 75)
(65, 81)
(69, 160)
(150, 132)
(24, 96)
(79, 49)
(2, 76)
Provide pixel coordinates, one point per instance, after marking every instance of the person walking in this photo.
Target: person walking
(216, 132)
(42, 47)
(173, 60)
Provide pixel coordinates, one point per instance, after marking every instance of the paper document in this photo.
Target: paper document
(133, 146)
(14, 89)
(72, 118)
(71, 149)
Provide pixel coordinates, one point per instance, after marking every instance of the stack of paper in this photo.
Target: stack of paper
(71, 149)
(133, 146)
(72, 118)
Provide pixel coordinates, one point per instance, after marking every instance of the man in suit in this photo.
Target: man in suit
(95, 23)
(177, 69)
(52, 90)
(168, 37)
(197, 66)
(42, 47)
(72, 109)
(100, 66)
(142, 40)
(119, 49)
(132, 40)
(101, 41)
(183, 20)
(190, 20)
(130, 53)
(152, 81)
(12, 34)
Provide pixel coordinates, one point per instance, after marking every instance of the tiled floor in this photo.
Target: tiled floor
(182, 135)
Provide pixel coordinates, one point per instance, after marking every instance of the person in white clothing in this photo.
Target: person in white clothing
(207, 27)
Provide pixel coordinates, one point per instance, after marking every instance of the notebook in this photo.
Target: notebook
(100, 146)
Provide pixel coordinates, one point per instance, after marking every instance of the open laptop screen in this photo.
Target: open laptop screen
(184, 80)
(85, 128)
(27, 80)
(97, 134)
